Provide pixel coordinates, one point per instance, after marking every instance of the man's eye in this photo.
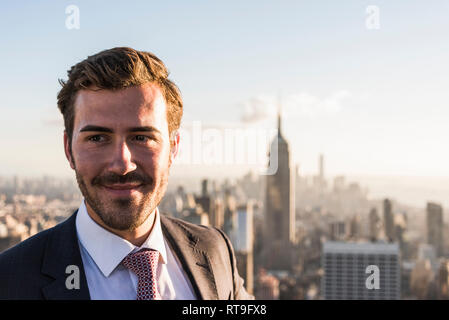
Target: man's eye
(96, 138)
(141, 138)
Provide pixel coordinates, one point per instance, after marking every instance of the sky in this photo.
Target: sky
(374, 101)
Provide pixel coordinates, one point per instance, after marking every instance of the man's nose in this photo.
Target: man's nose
(122, 159)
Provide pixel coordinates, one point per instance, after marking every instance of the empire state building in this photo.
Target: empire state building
(280, 208)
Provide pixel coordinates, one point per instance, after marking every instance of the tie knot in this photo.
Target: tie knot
(143, 263)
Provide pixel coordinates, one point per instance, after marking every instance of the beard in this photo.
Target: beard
(125, 214)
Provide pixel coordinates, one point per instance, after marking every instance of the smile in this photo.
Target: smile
(122, 189)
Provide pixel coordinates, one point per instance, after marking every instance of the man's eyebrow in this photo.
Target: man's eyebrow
(90, 127)
(144, 129)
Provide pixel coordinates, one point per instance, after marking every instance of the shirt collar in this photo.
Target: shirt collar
(108, 249)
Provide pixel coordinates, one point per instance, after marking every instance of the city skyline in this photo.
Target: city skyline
(410, 191)
(323, 215)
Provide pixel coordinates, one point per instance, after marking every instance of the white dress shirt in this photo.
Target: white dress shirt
(107, 278)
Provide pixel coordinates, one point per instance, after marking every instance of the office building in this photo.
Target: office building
(435, 227)
(279, 207)
(348, 267)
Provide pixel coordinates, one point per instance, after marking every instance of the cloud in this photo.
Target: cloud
(300, 104)
(304, 104)
(258, 108)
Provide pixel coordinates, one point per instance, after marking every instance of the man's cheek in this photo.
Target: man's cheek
(87, 174)
(87, 160)
(152, 163)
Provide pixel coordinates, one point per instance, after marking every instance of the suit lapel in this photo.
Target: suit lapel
(195, 261)
(62, 250)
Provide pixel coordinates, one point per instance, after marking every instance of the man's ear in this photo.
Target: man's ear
(174, 145)
(68, 154)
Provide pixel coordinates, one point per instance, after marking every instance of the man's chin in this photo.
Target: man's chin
(121, 227)
(117, 221)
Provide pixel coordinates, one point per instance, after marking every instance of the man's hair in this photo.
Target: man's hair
(118, 68)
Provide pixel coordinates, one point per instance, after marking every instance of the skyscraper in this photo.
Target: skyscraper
(320, 180)
(230, 222)
(211, 204)
(280, 207)
(244, 246)
(443, 280)
(321, 167)
(435, 227)
(349, 266)
(374, 225)
(389, 221)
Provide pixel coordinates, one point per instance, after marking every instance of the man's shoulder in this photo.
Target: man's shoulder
(195, 229)
(22, 274)
(20, 268)
(27, 250)
(27, 247)
(212, 235)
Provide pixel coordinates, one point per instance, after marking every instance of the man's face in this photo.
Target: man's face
(121, 153)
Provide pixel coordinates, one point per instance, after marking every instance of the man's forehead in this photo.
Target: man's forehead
(134, 106)
(146, 94)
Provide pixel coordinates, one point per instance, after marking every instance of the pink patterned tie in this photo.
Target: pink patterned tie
(144, 264)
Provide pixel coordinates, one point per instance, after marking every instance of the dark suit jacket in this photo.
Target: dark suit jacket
(36, 267)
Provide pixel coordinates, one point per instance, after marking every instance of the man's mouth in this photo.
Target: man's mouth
(122, 189)
(122, 186)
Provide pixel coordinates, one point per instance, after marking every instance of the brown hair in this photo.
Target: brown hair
(118, 68)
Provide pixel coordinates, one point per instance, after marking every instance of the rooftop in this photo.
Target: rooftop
(361, 247)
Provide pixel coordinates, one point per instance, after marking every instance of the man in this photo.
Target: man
(121, 117)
